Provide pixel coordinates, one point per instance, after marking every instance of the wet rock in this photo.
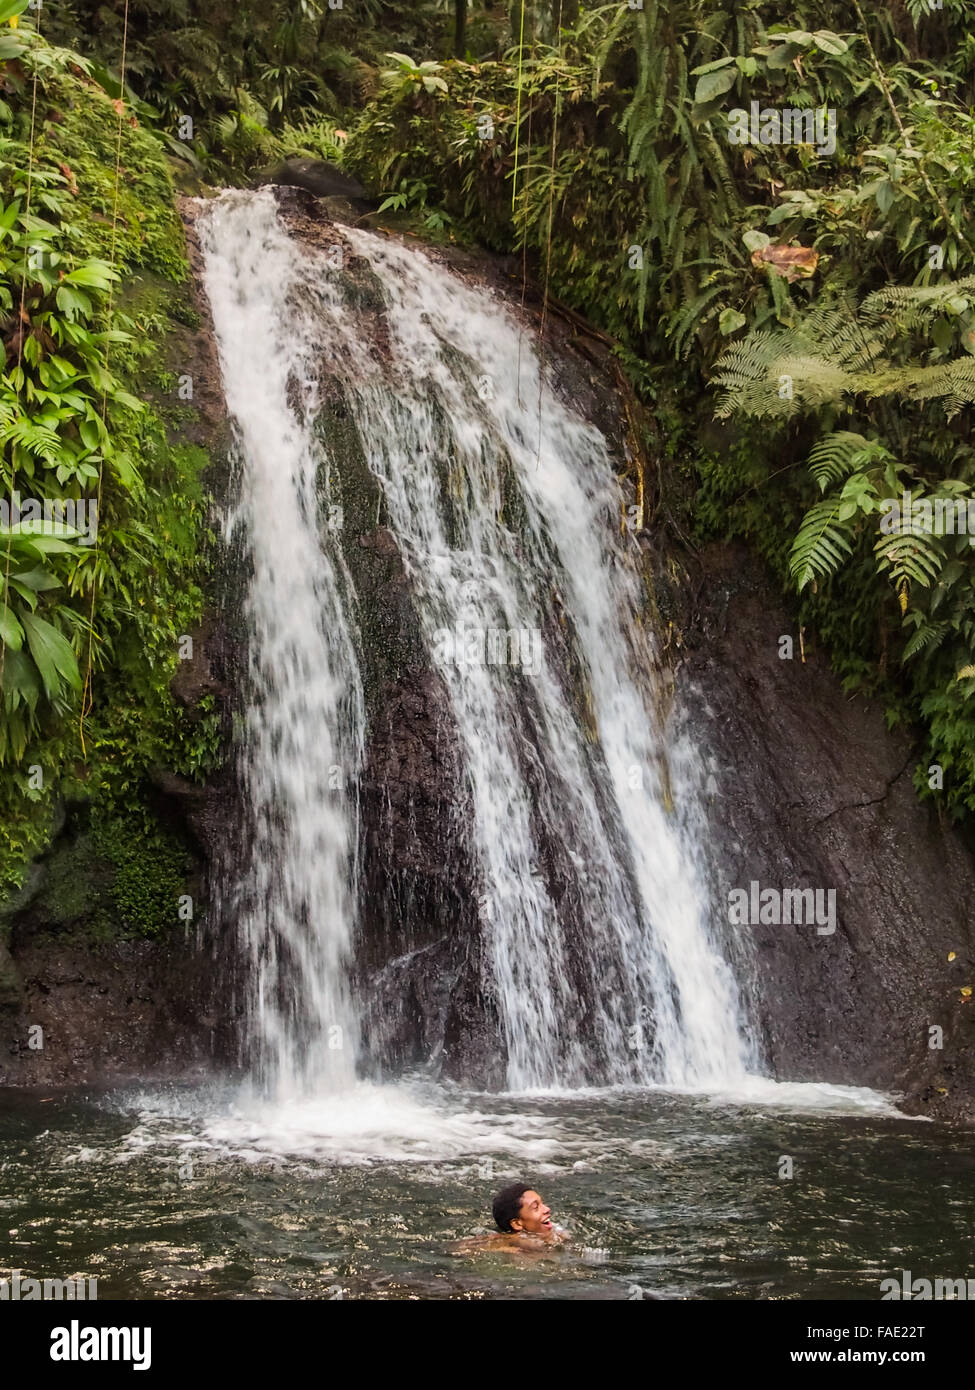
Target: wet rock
(11, 983)
(810, 789)
(90, 1012)
(315, 176)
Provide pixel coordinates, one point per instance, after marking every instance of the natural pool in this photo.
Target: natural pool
(182, 1193)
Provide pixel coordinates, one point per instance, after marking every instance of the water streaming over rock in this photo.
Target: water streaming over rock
(505, 506)
(301, 742)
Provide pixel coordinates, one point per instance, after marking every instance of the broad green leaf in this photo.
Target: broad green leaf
(711, 67)
(90, 435)
(730, 320)
(38, 579)
(20, 678)
(943, 334)
(24, 594)
(52, 653)
(782, 57)
(96, 275)
(10, 8)
(72, 301)
(885, 195)
(828, 42)
(715, 84)
(11, 632)
(755, 240)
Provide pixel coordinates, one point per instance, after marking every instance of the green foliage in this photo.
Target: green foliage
(603, 155)
(914, 515)
(84, 416)
(245, 73)
(837, 352)
(149, 866)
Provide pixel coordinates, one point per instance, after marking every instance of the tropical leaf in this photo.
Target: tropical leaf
(822, 544)
(53, 655)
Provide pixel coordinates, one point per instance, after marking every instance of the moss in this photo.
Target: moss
(149, 875)
(82, 132)
(72, 874)
(112, 876)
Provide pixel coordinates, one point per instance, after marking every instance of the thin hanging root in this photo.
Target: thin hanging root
(633, 442)
(521, 45)
(87, 697)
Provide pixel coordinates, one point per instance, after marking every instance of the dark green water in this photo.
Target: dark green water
(184, 1195)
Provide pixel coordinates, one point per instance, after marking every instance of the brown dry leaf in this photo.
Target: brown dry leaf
(69, 175)
(792, 262)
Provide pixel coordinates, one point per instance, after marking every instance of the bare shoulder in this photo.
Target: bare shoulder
(515, 1242)
(490, 1240)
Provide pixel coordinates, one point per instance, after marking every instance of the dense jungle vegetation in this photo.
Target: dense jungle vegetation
(797, 317)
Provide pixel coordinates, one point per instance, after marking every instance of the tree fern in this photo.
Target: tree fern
(835, 353)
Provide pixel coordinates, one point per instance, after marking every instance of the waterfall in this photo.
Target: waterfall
(594, 907)
(302, 736)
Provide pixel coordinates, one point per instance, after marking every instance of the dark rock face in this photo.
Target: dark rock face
(93, 1013)
(419, 963)
(812, 791)
(418, 956)
(315, 176)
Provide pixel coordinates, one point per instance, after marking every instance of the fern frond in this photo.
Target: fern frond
(821, 546)
(928, 637)
(841, 453)
(918, 558)
(833, 352)
(912, 306)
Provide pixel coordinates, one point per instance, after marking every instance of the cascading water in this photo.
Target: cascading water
(301, 743)
(505, 507)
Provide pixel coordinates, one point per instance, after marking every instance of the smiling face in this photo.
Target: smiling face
(533, 1216)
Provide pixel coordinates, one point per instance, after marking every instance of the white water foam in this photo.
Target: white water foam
(301, 745)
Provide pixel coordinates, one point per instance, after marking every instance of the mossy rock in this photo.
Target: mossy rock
(108, 878)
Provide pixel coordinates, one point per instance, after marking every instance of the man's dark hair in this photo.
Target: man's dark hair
(507, 1204)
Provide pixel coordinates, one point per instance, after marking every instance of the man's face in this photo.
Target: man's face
(534, 1215)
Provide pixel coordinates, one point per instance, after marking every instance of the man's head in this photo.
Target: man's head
(519, 1208)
